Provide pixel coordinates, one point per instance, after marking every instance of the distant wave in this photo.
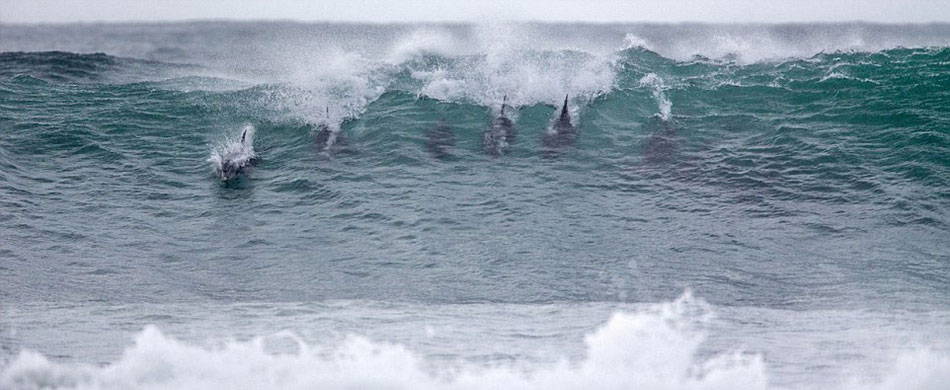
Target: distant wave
(61, 66)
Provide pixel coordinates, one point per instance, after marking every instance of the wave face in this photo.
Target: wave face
(796, 167)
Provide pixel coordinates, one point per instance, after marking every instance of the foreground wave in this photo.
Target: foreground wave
(656, 348)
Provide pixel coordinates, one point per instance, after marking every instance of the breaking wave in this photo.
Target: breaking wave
(655, 348)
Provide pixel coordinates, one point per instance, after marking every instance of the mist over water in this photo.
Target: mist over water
(793, 179)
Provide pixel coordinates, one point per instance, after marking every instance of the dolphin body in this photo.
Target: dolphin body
(661, 146)
(327, 137)
(323, 135)
(500, 134)
(237, 158)
(440, 140)
(562, 133)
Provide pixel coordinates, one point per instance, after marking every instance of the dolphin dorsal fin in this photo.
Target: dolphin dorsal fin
(504, 102)
(243, 135)
(564, 114)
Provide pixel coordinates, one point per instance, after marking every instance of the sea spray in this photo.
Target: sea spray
(653, 349)
(657, 347)
(234, 156)
(655, 83)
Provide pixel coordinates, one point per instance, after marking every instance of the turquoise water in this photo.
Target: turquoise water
(795, 179)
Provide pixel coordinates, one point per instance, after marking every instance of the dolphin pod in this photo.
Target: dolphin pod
(237, 158)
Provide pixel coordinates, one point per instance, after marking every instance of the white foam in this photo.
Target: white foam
(530, 63)
(479, 65)
(424, 41)
(654, 348)
(239, 152)
(921, 369)
(631, 41)
(509, 61)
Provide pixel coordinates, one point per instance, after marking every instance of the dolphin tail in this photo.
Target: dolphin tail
(564, 114)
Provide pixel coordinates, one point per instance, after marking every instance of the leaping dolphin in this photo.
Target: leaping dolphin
(500, 134)
(237, 157)
(562, 132)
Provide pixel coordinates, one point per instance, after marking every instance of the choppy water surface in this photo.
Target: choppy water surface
(795, 179)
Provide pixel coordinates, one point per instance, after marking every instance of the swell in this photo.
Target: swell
(855, 123)
(784, 143)
(55, 65)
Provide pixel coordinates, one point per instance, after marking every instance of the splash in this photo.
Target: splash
(234, 156)
(513, 60)
(631, 41)
(652, 349)
(656, 83)
(921, 369)
(424, 41)
(655, 348)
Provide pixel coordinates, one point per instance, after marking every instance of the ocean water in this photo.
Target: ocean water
(744, 207)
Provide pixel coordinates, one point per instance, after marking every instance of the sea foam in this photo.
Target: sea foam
(653, 348)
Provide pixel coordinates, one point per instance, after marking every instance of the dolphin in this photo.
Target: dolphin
(661, 145)
(501, 133)
(325, 136)
(562, 133)
(237, 157)
(440, 140)
(329, 138)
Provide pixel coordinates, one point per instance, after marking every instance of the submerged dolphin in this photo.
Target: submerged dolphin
(562, 132)
(237, 157)
(500, 134)
(440, 140)
(323, 131)
(662, 144)
(327, 136)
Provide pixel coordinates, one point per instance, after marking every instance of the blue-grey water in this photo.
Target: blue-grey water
(743, 207)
